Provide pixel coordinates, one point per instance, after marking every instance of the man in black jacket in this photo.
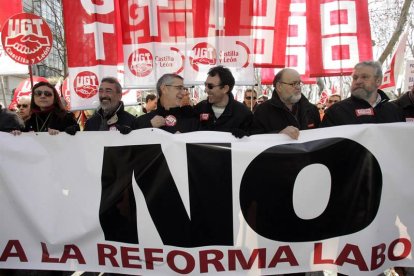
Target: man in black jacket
(111, 114)
(406, 103)
(221, 112)
(288, 111)
(169, 115)
(367, 104)
(9, 121)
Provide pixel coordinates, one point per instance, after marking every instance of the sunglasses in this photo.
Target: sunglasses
(332, 101)
(211, 86)
(40, 92)
(22, 105)
(249, 98)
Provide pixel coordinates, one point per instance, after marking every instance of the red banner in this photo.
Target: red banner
(338, 36)
(8, 66)
(140, 40)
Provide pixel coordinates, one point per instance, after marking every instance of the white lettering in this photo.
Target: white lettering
(38, 22)
(98, 29)
(153, 13)
(91, 8)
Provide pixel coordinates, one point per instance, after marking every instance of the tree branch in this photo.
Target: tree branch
(398, 30)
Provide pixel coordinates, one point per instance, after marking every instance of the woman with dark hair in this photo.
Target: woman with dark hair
(48, 113)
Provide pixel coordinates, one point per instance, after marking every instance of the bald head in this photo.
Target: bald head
(288, 86)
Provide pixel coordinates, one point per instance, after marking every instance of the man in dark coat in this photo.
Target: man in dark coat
(367, 104)
(9, 121)
(220, 111)
(406, 103)
(169, 115)
(111, 114)
(288, 111)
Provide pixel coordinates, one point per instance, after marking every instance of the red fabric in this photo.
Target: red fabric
(339, 36)
(13, 7)
(397, 61)
(77, 22)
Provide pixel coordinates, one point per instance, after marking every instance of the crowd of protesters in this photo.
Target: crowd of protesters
(287, 112)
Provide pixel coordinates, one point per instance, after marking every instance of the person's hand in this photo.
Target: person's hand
(158, 121)
(16, 132)
(239, 133)
(291, 131)
(71, 130)
(53, 131)
(123, 129)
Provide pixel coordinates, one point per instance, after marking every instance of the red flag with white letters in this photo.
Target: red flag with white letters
(137, 41)
(339, 36)
(92, 38)
(395, 68)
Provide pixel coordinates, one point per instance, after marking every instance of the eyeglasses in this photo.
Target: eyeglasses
(249, 98)
(293, 84)
(211, 86)
(22, 105)
(178, 87)
(40, 92)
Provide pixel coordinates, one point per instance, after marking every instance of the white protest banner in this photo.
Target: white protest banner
(154, 203)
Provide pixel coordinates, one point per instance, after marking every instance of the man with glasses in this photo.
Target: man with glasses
(220, 111)
(169, 115)
(111, 114)
(367, 103)
(250, 99)
(288, 111)
(23, 107)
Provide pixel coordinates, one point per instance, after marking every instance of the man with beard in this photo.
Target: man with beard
(367, 104)
(288, 111)
(170, 115)
(111, 114)
(220, 111)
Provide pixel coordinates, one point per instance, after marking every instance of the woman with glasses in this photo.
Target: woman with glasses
(48, 113)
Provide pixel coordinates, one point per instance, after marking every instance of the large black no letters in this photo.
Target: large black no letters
(266, 190)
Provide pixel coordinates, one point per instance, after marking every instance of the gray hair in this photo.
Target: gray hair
(166, 79)
(113, 81)
(373, 64)
(24, 98)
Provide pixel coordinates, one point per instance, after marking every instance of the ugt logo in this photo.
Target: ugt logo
(265, 192)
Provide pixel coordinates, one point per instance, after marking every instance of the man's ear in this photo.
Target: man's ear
(226, 88)
(277, 86)
(378, 81)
